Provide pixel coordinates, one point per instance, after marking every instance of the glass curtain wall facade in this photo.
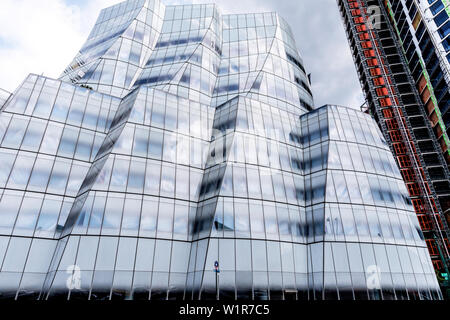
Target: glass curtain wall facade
(180, 140)
(4, 95)
(403, 73)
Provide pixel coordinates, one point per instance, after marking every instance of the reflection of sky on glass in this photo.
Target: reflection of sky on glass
(317, 25)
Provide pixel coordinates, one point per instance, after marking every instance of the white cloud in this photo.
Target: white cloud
(41, 36)
(44, 36)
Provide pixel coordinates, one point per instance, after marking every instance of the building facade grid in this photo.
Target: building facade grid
(213, 151)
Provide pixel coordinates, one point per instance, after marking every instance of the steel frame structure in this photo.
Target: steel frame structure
(394, 102)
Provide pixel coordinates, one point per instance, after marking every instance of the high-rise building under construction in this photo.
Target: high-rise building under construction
(400, 52)
(180, 156)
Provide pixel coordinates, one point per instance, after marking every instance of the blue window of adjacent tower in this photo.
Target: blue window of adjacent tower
(420, 30)
(444, 30)
(438, 6)
(446, 44)
(441, 18)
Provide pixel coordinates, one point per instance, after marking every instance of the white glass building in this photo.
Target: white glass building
(181, 142)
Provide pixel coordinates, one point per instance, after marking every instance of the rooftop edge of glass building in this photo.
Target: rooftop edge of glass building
(403, 74)
(185, 143)
(422, 28)
(4, 95)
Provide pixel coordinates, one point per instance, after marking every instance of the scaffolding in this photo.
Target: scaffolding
(399, 112)
(424, 83)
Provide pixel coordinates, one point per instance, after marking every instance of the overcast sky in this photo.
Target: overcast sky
(43, 37)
